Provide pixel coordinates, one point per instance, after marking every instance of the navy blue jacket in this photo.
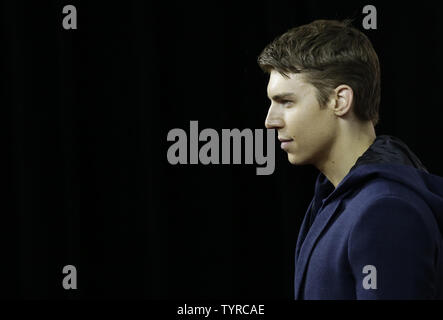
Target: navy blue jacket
(378, 234)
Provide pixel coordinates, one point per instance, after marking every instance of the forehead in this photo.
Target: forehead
(294, 83)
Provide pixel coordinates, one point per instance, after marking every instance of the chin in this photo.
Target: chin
(293, 159)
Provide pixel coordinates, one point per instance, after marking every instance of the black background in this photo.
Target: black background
(89, 110)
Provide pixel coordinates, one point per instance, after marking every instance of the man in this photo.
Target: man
(373, 228)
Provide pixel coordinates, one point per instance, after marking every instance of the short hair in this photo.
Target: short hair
(329, 53)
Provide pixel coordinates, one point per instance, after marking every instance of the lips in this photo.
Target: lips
(284, 142)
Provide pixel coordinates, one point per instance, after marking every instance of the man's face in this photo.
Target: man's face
(296, 114)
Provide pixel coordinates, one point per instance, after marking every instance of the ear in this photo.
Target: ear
(344, 97)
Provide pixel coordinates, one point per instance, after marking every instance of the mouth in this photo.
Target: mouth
(284, 142)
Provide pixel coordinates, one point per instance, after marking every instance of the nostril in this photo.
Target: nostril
(269, 125)
(273, 124)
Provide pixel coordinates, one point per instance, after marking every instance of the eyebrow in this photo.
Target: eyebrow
(282, 96)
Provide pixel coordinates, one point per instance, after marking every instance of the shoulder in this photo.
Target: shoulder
(387, 205)
(380, 191)
(392, 213)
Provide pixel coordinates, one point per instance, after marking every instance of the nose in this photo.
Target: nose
(273, 119)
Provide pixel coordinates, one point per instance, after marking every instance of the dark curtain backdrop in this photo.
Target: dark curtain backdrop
(88, 112)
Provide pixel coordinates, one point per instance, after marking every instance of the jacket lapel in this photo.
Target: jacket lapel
(304, 248)
(303, 229)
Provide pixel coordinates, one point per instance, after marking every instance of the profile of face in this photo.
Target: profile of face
(305, 130)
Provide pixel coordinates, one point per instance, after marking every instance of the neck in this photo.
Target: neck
(343, 153)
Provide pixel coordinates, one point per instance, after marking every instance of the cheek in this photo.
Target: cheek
(300, 123)
(310, 131)
(295, 123)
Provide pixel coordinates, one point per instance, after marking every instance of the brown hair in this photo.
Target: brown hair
(329, 53)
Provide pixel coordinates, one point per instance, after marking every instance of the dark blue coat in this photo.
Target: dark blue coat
(387, 215)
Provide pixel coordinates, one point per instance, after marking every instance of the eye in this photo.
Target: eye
(286, 102)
